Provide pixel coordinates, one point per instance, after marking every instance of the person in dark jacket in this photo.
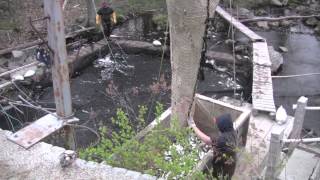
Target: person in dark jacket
(106, 17)
(224, 146)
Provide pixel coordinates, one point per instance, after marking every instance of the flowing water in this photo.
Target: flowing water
(302, 57)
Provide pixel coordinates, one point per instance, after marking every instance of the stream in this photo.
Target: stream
(302, 57)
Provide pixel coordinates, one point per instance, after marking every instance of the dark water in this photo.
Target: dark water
(99, 90)
(303, 57)
(108, 84)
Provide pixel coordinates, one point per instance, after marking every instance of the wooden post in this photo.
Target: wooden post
(274, 154)
(60, 70)
(298, 121)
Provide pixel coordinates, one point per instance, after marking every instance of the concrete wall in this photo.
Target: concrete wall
(42, 162)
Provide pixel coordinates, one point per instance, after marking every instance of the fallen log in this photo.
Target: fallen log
(37, 42)
(276, 18)
(21, 46)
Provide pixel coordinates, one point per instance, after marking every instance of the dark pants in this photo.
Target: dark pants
(223, 170)
(106, 29)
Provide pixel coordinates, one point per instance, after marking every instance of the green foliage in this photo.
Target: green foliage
(142, 112)
(163, 152)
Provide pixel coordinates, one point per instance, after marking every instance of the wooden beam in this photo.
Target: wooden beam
(298, 121)
(273, 161)
(37, 42)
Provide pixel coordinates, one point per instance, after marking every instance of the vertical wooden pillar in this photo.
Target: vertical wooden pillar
(298, 121)
(60, 70)
(274, 154)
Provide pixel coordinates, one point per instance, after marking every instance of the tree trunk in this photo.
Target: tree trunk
(91, 19)
(187, 20)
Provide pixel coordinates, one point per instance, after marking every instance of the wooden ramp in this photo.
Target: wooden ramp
(237, 24)
(262, 88)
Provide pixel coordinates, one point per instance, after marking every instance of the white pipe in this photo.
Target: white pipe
(296, 75)
(301, 140)
(311, 108)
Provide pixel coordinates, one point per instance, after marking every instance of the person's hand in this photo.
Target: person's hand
(191, 122)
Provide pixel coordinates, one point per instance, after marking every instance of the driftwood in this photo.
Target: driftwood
(277, 18)
(21, 46)
(37, 42)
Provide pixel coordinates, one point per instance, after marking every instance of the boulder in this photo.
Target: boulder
(17, 54)
(317, 29)
(285, 23)
(276, 59)
(283, 49)
(156, 43)
(263, 24)
(245, 13)
(274, 23)
(80, 19)
(276, 2)
(261, 12)
(312, 21)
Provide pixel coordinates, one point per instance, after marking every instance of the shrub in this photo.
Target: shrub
(164, 152)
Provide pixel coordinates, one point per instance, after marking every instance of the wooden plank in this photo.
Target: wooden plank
(242, 28)
(261, 54)
(35, 132)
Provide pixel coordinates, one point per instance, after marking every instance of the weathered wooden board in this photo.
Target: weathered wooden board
(244, 29)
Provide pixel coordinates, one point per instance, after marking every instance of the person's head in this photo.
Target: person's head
(104, 4)
(224, 123)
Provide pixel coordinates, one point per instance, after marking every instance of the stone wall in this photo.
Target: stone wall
(42, 162)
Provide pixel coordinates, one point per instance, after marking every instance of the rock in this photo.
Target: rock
(285, 23)
(276, 59)
(240, 48)
(4, 62)
(301, 8)
(312, 21)
(274, 23)
(245, 13)
(263, 25)
(276, 3)
(2, 70)
(229, 42)
(29, 73)
(287, 12)
(156, 43)
(238, 57)
(317, 29)
(80, 19)
(17, 77)
(283, 49)
(17, 54)
(261, 12)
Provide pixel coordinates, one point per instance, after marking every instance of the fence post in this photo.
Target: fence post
(273, 161)
(298, 121)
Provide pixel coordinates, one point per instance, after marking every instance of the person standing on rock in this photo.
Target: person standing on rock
(224, 146)
(106, 17)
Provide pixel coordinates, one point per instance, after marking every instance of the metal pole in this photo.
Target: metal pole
(310, 108)
(305, 140)
(60, 70)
